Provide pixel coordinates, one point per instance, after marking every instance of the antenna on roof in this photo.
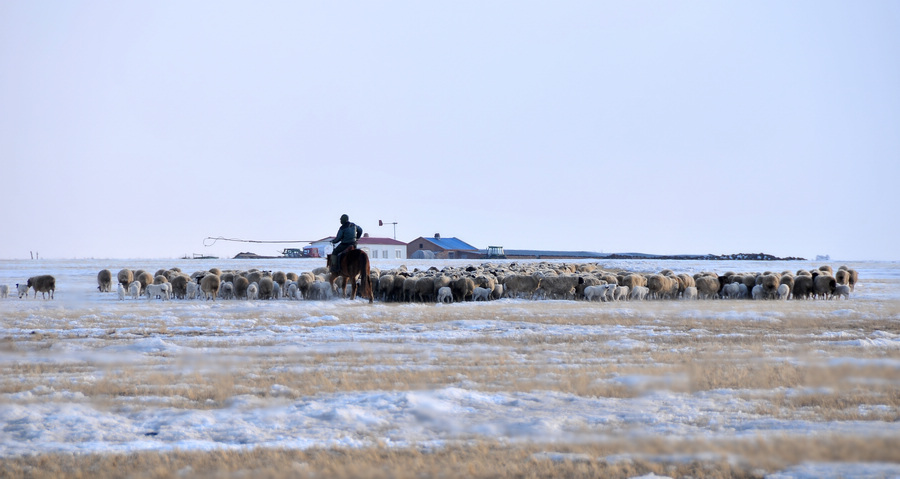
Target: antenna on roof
(382, 223)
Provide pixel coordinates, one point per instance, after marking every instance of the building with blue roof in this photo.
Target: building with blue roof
(442, 248)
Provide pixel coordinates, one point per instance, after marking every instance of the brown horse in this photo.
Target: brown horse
(354, 263)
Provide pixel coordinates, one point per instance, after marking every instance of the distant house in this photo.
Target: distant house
(376, 248)
(441, 248)
(382, 248)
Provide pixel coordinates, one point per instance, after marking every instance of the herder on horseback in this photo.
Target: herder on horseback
(350, 263)
(348, 234)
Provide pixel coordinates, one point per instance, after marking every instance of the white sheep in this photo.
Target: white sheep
(321, 290)
(621, 293)
(595, 292)
(157, 290)
(4, 291)
(22, 289)
(134, 289)
(483, 294)
(783, 292)
(731, 290)
(121, 291)
(193, 290)
(253, 291)
(690, 293)
(743, 292)
(841, 290)
(445, 295)
(293, 291)
(276, 290)
(758, 292)
(640, 293)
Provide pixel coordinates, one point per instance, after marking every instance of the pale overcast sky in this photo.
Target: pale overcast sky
(136, 129)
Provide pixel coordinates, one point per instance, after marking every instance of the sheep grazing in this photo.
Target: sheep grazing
(690, 293)
(445, 295)
(481, 294)
(43, 284)
(803, 287)
(841, 290)
(783, 292)
(823, 285)
(293, 291)
(252, 291)
(134, 289)
(144, 278)
(104, 281)
(125, 277)
(160, 291)
(707, 287)
(209, 285)
(852, 278)
(266, 287)
(639, 293)
(240, 287)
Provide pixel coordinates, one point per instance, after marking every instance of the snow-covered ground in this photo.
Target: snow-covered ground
(89, 338)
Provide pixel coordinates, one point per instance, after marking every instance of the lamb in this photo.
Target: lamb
(690, 293)
(621, 293)
(320, 290)
(209, 285)
(758, 292)
(192, 290)
(4, 291)
(596, 292)
(497, 292)
(293, 291)
(841, 290)
(121, 291)
(104, 281)
(134, 289)
(226, 290)
(252, 291)
(639, 293)
(481, 294)
(43, 284)
(783, 292)
(22, 289)
(276, 289)
(731, 290)
(445, 295)
(158, 291)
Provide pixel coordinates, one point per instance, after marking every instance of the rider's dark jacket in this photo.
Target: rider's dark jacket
(347, 234)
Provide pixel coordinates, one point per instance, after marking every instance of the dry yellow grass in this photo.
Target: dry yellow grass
(776, 351)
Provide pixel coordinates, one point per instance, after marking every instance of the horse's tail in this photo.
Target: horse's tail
(365, 281)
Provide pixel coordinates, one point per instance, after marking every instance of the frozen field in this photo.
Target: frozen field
(87, 373)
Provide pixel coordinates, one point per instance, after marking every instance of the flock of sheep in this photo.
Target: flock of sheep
(471, 283)
(479, 283)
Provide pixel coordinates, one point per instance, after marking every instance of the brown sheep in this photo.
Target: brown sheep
(240, 284)
(803, 287)
(144, 278)
(125, 277)
(266, 287)
(43, 283)
(179, 285)
(824, 285)
(104, 281)
(210, 286)
(707, 287)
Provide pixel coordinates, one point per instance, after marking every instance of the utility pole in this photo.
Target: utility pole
(382, 223)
